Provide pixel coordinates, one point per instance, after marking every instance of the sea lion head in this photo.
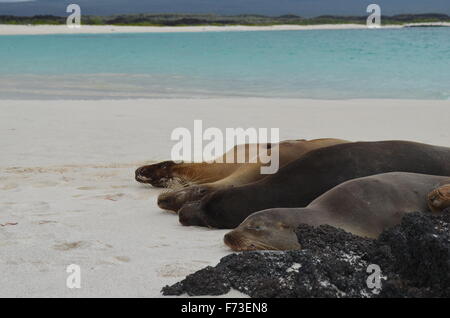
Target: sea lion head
(439, 199)
(213, 209)
(265, 230)
(174, 200)
(158, 175)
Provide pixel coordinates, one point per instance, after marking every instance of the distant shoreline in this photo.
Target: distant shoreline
(9, 29)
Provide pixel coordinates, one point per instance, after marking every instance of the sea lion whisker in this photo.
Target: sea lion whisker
(176, 184)
(264, 246)
(192, 177)
(257, 244)
(165, 191)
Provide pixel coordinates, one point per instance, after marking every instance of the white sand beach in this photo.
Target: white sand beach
(6, 29)
(68, 195)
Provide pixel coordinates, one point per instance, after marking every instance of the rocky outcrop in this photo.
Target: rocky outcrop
(414, 259)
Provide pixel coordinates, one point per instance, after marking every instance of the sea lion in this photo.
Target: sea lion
(289, 150)
(364, 207)
(165, 174)
(439, 199)
(304, 179)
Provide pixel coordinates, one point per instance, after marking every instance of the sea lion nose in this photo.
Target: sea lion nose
(163, 202)
(138, 174)
(183, 218)
(229, 240)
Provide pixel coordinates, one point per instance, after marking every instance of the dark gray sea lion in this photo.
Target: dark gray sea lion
(365, 207)
(288, 150)
(303, 180)
(439, 199)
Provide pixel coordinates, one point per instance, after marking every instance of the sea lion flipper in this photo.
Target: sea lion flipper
(439, 198)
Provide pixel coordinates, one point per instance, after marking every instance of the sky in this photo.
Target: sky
(305, 8)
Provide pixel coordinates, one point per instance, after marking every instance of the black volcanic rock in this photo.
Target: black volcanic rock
(414, 258)
(421, 253)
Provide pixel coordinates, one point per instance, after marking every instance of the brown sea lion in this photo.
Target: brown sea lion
(165, 174)
(439, 199)
(288, 150)
(306, 178)
(364, 207)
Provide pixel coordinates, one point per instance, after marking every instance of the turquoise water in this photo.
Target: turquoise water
(323, 64)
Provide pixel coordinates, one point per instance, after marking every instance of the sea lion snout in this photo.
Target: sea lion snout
(237, 242)
(230, 240)
(175, 200)
(140, 176)
(158, 175)
(240, 240)
(165, 202)
(264, 230)
(190, 215)
(170, 201)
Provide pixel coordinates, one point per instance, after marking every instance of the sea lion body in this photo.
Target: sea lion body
(364, 206)
(305, 179)
(167, 173)
(288, 151)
